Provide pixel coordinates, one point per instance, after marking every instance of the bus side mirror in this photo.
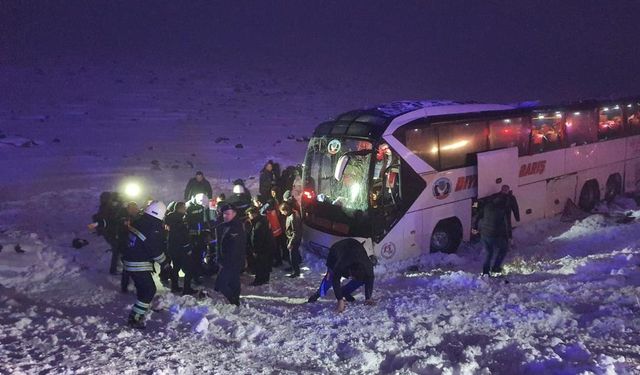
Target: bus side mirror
(341, 165)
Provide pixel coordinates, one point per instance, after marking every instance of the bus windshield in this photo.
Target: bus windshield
(338, 206)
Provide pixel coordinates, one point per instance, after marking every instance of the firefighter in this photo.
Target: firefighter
(146, 243)
(180, 250)
(198, 219)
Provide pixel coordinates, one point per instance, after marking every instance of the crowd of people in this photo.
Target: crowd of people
(224, 236)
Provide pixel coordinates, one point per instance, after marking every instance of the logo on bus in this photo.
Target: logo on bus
(388, 250)
(334, 146)
(466, 182)
(441, 188)
(537, 167)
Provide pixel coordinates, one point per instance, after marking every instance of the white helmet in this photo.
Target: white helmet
(238, 189)
(201, 199)
(156, 209)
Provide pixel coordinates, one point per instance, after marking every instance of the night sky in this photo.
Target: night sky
(502, 51)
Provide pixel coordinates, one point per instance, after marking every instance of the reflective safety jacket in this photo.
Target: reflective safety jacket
(146, 244)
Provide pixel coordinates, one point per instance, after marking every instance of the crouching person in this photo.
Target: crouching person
(352, 262)
(232, 245)
(145, 247)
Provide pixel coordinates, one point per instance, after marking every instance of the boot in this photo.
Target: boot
(175, 288)
(136, 321)
(314, 297)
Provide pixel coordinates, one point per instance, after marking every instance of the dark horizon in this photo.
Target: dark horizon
(495, 51)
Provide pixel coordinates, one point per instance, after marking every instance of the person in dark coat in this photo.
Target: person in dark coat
(261, 245)
(491, 223)
(327, 281)
(146, 244)
(231, 247)
(351, 260)
(180, 249)
(512, 209)
(132, 214)
(197, 185)
(267, 179)
(293, 231)
(106, 223)
(198, 218)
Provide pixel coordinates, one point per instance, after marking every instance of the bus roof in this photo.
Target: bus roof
(385, 118)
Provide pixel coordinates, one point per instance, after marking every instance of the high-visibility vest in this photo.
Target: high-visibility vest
(274, 223)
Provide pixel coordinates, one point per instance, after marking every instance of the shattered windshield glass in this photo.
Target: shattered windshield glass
(351, 191)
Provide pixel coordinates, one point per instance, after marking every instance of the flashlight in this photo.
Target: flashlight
(132, 190)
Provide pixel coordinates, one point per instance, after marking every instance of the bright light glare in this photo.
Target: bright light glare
(452, 146)
(132, 190)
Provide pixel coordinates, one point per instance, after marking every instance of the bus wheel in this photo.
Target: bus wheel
(589, 195)
(446, 237)
(614, 187)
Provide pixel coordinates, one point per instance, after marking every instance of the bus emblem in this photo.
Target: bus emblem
(441, 188)
(334, 146)
(388, 250)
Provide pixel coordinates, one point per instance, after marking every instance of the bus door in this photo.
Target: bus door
(497, 168)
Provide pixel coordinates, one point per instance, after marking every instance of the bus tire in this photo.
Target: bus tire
(446, 236)
(614, 187)
(589, 195)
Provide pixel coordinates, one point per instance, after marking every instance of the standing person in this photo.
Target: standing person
(132, 214)
(512, 208)
(277, 223)
(231, 245)
(267, 179)
(491, 223)
(293, 231)
(198, 221)
(105, 223)
(180, 249)
(197, 185)
(145, 247)
(261, 245)
(352, 261)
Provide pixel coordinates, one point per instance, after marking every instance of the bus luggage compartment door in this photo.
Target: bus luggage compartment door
(497, 168)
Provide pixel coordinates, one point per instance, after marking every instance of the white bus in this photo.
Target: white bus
(403, 176)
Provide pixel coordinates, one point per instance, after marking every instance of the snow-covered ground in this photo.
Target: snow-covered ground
(69, 132)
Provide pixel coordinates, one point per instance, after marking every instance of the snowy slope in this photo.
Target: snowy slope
(571, 305)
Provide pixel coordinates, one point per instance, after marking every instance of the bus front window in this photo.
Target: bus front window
(339, 206)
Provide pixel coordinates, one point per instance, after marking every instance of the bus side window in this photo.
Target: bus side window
(610, 124)
(546, 132)
(510, 132)
(632, 113)
(581, 127)
(458, 143)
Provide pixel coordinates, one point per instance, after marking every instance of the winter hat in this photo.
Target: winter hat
(227, 206)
